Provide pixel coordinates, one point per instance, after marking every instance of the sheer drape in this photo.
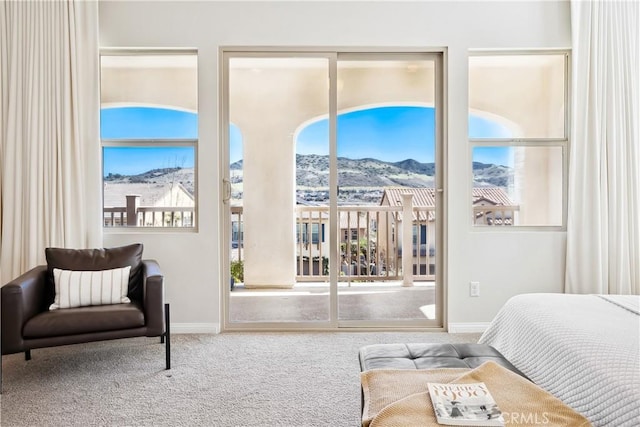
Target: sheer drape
(603, 236)
(49, 151)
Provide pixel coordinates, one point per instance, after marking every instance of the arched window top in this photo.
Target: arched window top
(391, 132)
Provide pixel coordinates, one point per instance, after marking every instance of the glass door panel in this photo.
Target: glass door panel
(387, 189)
(278, 191)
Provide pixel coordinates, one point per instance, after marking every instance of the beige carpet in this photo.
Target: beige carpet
(231, 379)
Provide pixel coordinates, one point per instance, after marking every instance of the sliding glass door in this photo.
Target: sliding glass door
(332, 189)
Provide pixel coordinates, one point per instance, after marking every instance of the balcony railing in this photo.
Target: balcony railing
(370, 242)
(495, 215)
(133, 215)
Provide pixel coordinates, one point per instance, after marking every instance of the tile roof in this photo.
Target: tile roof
(150, 194)
(495, 195)
(424, 197)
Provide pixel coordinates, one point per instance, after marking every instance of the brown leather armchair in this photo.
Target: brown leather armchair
(27, 322)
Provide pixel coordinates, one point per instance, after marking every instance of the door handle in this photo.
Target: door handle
(226, 190)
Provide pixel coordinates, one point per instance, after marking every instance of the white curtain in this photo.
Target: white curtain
(603, 235)
(50, 185)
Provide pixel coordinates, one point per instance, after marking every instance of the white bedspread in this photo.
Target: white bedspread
(584, 349)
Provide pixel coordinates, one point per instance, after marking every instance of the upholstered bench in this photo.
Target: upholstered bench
(430, 356)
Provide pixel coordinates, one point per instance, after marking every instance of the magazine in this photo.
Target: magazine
(464, 405)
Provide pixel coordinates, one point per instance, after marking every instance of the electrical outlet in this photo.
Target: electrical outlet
(474, 289)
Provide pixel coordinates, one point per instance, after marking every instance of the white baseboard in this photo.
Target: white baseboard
(214, 328)
(195, 328)
(467, 328)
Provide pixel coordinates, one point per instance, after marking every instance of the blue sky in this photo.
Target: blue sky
(391, 133)
(146, 123)
(386, 133)
(136, 160)
(395, 133)
(495, 155)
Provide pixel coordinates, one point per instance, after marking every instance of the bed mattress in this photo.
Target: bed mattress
(584, 349)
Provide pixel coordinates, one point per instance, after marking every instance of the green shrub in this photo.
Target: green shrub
(237, 271)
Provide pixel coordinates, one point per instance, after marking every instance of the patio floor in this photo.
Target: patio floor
(308, 302)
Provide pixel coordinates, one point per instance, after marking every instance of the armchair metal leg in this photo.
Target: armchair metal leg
(27, 355)
(167, 336)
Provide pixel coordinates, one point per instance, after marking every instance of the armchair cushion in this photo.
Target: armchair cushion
(81, 320)
(94, 260)
(83, 288)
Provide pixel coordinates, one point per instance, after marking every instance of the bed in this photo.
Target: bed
(584, 349)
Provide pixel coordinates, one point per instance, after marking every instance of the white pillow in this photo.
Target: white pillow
(84, 288)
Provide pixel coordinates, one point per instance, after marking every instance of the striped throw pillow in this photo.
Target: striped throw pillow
(84, 288)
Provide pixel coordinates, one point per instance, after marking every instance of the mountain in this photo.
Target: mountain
(359, 180)
(417, 167)
(491, 175)
(312, 171)
(185, 176)
(362, 180)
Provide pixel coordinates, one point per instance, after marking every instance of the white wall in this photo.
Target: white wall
(506, 263)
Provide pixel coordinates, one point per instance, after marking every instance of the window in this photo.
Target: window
(316, 236)
(354, 235)
(519, 139)
(237, 234)
(149, 135)
(302, 232)
(421, 233)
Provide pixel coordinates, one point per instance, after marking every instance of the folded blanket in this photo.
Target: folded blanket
(383, 387)
(521, 401)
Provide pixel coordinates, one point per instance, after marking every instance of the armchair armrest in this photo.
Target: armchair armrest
(21, 299)
(153, 298)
